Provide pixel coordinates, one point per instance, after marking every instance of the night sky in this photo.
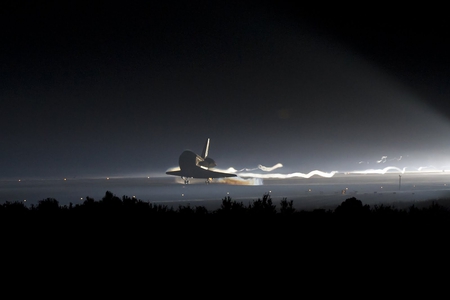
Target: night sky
(121, 89)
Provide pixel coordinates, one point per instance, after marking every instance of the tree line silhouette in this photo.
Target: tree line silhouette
(262, 207)
(113, 223)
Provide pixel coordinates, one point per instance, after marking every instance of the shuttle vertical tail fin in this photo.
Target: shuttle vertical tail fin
(205, 149)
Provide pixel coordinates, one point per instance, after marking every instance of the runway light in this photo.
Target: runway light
(81, 198)
(19, 179)
(134, 196)
(107, 178)
(25, 200)
(65, 179)
(182, 195)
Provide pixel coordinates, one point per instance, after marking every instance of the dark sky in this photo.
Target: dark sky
(105, 88)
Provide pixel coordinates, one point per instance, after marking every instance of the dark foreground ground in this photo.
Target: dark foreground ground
(117, 242)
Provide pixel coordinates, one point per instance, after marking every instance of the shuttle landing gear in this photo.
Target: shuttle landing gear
(187, 180)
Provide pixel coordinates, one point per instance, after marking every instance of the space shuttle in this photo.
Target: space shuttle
(192, 165)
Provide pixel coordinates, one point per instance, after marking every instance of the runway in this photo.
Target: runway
(307, 193)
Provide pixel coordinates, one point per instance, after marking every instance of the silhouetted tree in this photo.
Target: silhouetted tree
(263, 206)
(229, 206)
(386, 211)
(129, 201)
(185, 210)
(436, 210)
(201, 210)
(111, 201)
(352, 206)
(89, 201)
(48, 205)
(286, 207)
(13, 207)
(131, 204)
(161, 209)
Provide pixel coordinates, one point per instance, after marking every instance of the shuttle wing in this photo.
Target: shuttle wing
(198, 172)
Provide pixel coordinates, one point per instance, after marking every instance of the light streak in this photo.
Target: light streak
(382, 160)
(260, 167)
(266, 169)
(433, 169)
(398, 159)
(240, 181)
(290, 175)
(379, 171)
